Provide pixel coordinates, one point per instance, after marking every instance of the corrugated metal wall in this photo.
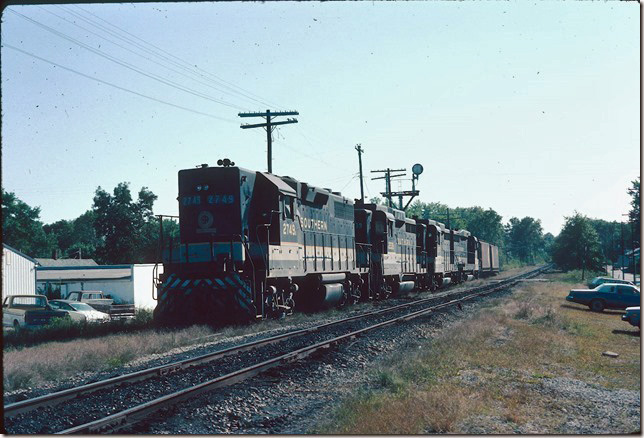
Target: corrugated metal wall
(18, 274)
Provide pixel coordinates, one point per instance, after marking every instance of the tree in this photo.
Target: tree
(634, 213)
(122, 224)
(525, 238)
(484, 224)
(62, 233)
(427, 210)
(74, 238)
(610, 237)
(548, 241)
(86, 240)
(577, 246)
(22, 228)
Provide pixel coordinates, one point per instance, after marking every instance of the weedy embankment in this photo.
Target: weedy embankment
(529, 362)
(56, 361)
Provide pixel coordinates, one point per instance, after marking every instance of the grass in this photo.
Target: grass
(488, 365)
(57, 361)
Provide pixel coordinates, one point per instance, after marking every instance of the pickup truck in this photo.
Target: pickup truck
(28, 311)
(97, 300)
(606, 296)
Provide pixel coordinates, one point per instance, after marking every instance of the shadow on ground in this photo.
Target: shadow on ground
(627, 332)
(586, 309)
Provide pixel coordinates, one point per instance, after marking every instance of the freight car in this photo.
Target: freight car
(253, 244)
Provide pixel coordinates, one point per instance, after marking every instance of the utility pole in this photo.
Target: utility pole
(417, 169)
(623, 254)
(387, 177)
(583, 267)
(448, 218)
(360, 151)
(269, 125)
(632, 247)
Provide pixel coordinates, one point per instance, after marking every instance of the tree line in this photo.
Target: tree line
(121, 230)
(519, 240)
(116, 230)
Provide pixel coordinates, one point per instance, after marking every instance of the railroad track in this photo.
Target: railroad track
(266, 356)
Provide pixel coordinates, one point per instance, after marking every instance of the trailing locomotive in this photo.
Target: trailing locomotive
(253, 244)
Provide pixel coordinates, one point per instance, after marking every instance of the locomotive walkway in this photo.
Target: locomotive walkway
(159, 387)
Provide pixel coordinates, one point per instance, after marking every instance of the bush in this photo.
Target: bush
(63, 329)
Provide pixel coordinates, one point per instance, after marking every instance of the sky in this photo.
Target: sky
(531, 109)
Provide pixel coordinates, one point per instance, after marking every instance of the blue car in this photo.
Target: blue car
(597, 281)
(606, 296)
(632, 316)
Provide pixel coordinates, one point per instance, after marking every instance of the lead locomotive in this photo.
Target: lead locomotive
(253, 244)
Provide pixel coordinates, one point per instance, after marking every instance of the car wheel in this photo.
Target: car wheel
(16, 326)
(597, 305)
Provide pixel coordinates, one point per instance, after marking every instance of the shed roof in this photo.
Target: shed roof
(84, 273)
(67, 262)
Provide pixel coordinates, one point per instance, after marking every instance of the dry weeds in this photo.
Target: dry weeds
(488, 365)
(57, 361)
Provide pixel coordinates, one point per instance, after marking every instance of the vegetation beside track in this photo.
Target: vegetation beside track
(493, 372)
(67, 330)
(49, 363)
(65, 349)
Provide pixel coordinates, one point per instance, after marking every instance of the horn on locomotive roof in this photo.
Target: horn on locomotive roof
(225, 162)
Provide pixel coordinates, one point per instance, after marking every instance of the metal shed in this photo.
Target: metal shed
(126, 284)
(18, 272)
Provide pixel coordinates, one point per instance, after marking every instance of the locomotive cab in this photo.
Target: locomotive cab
(214, 204)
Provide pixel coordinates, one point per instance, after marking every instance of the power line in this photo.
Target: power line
(117, 86)
(151, 52)
(155, 53)
(349, 182)
(130, 50)
(224, 83)
(126, 64)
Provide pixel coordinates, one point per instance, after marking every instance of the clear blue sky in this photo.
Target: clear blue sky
(531, 109)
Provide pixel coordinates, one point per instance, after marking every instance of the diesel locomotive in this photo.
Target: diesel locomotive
(253, 244)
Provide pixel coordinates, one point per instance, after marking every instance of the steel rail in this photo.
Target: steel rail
(58, 397)
(118, 421)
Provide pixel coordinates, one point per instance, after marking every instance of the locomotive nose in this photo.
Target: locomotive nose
(209, 204)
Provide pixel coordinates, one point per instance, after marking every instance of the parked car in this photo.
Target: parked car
(80, 311)
(98, 301)
(606, 296)
(597, 281)
(28, 311)
(632, 316)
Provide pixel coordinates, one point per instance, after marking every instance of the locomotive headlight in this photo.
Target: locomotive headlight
(205, 187)
(198, 188)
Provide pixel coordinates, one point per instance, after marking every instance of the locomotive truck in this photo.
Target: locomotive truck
(253, 244)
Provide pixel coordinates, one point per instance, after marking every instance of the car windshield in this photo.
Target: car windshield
(60, 305)
(30, 301)
(81, 306)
